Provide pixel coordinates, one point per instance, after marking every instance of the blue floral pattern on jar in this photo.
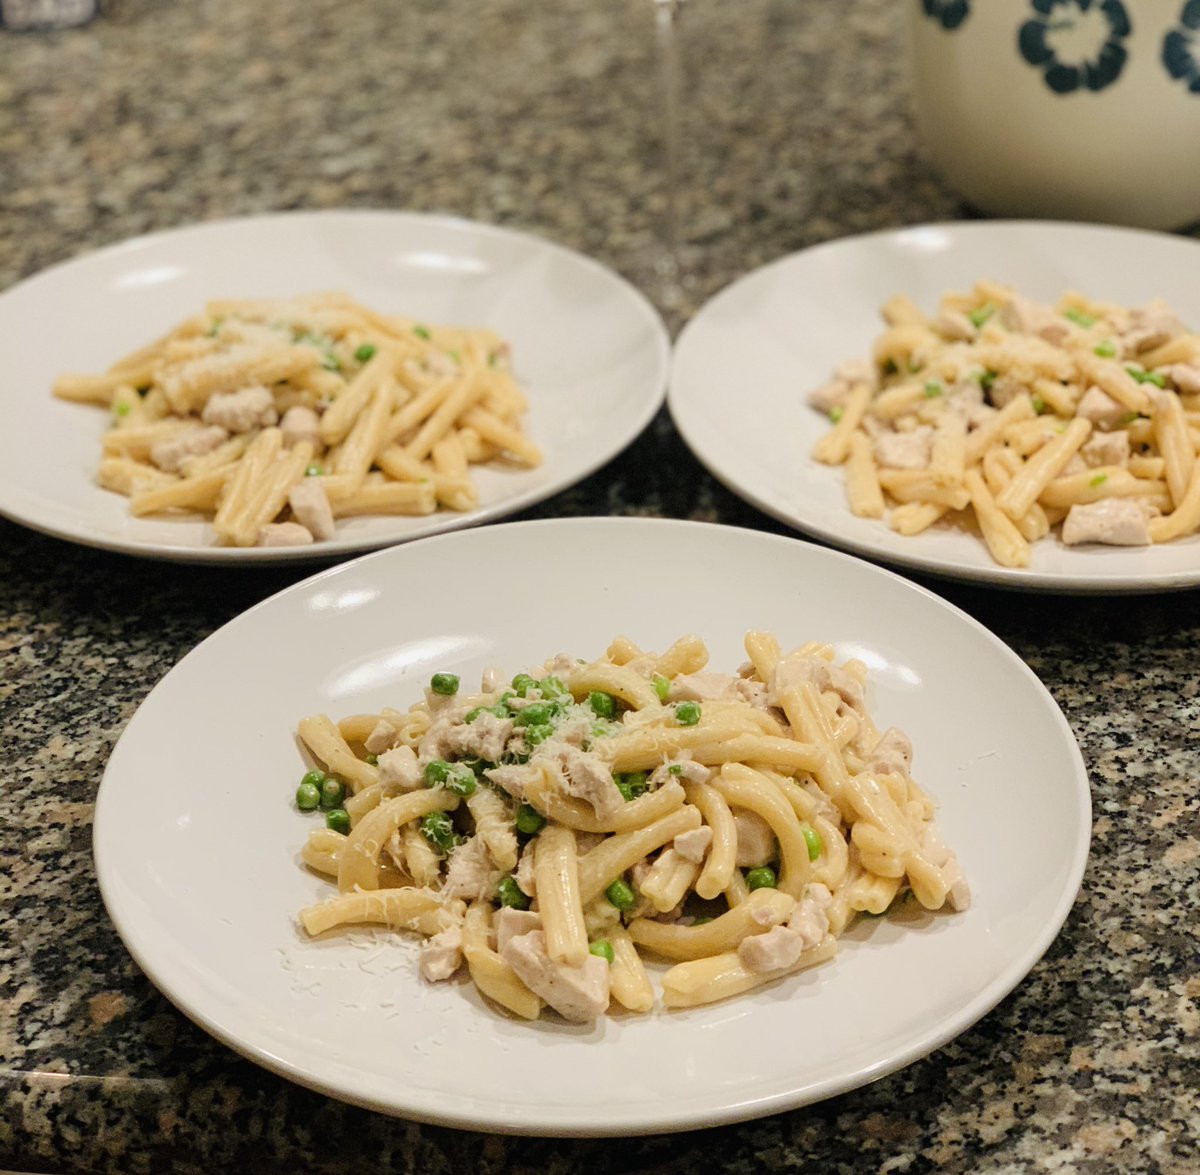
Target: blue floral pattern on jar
(950, 13)
(1180, 46)
(1078, 44)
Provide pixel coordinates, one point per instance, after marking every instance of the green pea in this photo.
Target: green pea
(605, 705)
(703, 920)
(523, 683)
(761, 878)
(687, 713)
(535, 714)
(316, 777)
(510, 894)
(373, 759)
(529, 820)
(437, 771)
(121, 408)
(981, 314)
(308, 797)
(986, 379)
(662, 686)
(445, 684)
(365, 352)
(461, 780)
(535, 735)
(338, 820)
(933, 389)
(812, 838)
(1039, 405)
(438, 830)
(631, 784)
(422, 332)
(1148, 377)
(553, 688)
(675, 769)
(620, 894)
(602, 949)
(1098, 480)
(835, 414)
(1078, 316)
(314, 470)
(333, 792)
(1106, 349)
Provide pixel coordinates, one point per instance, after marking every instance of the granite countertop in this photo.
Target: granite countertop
(543, 118)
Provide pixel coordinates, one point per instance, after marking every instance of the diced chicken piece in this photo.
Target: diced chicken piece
(857, 371)
(905, 450)
(301, 424)
(471, 873)
(809, 919)
(558, 665)
(693, 844)
(514, 778)
(284, 534)
(588, 778)
(782, 946)
(1027, 317)
(436, 741)
(170, 454)
(493, 679)
(773, 950)
(1185, 376)
(954, 325)
(754, 692)
(1076, 465)
(400, 770)
(892, 754)
(1100, 408)
(825, 676)
(702, 687)
(441, 364)
(310, 505)
(755, 840)
(510, 923)
(1118, 522)
(484, 737)
(1150, 326)
(241, 411)
(578, 994)
(1106, 448)
(966, 399)
(829, 395)
(1004, 388)
(382, 738)
(441, 955)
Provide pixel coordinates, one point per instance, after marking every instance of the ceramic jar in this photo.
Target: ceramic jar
(1076, 109)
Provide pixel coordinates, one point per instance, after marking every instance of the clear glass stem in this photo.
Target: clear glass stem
(668, 266)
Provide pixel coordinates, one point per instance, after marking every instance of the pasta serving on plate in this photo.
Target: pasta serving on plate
(278, 417)
(1020, 418)
(549, 833)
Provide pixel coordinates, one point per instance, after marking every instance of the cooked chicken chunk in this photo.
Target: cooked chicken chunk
(441, 955)
(284, 534)
(241, 411)
(1120, 522)
(170, 454)
(578, 994)
(310, 505)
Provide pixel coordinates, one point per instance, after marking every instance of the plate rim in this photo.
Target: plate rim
(552, 1121)
(1015, 579)
(442, 523)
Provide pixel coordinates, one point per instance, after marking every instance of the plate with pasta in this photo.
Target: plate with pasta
(305, 385)
(1015, 403)
(576, 861)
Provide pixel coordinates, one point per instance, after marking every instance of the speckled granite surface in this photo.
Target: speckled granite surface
(542, 118)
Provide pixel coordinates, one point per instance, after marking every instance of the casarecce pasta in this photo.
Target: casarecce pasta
(1020, 416)
(549, 833)
(278, 417)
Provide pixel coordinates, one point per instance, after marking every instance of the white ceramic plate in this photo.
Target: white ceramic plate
(589, 349)
(196, 837)
(744, 365)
